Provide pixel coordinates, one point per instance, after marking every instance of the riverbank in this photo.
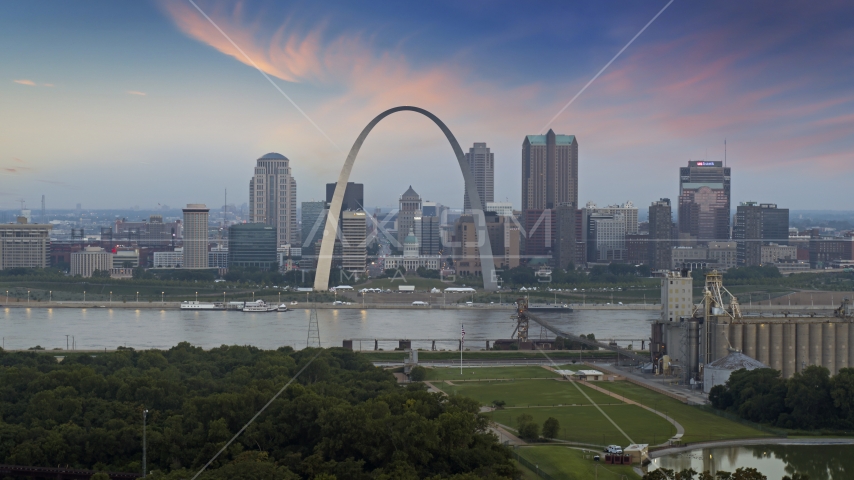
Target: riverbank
(756, 309)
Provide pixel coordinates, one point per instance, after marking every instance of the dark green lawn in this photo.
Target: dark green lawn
(524, 393)
(563, 463)
(699, 425)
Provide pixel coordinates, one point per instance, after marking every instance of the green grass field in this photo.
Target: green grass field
(585, 424)
(699, 425)
(524, 393)
(480, 373)
(563, 463)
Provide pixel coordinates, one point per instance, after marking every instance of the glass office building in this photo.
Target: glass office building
(252, 245)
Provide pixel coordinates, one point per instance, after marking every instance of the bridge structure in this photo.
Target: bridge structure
(330, 231)
(620, 351)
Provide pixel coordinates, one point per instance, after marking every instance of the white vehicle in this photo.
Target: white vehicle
(419, 303)
(614, 449)
(282, 308)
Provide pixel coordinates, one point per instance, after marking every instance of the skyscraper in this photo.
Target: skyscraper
(354, 196)
(353, 243)
(704, 200)
(410, 207)
(660, 234)
(273, 197)
(565, 238)
(482, 165)
(196, 236)
(549, 171)
(757, 225)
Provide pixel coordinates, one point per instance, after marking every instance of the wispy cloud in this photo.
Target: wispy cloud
(48, 85)
(26, 82)
(136, 92)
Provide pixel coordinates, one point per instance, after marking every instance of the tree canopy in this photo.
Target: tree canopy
(342, 418)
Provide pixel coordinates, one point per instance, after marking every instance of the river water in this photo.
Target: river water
(99, 328)
(820, 462)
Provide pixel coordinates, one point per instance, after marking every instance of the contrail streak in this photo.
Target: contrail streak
(543, 130)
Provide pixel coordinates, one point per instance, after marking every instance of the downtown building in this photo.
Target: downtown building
(354, 231)
(273, 198)
(24, 245)
(704, 201)
(313, 222)
(757, 225)
(660, 237)
(409, 208)
(549, 180)
(252, 245)
(482, 166)
(196, 236)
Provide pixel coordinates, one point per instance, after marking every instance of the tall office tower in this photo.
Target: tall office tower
(251, 245)
(354, 229)
(757, 225)
(273, 197)
(540, 227)
(628, 211)
(660, 234)
(24, 245)
(482, 165)
(410, 207)
(549, 171)
(196, 236)
(565, 238)
(605, 236)
(430, 241)
(704, 200)
(354, 196)
(313, 221)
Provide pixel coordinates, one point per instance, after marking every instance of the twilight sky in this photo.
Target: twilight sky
(115, 104)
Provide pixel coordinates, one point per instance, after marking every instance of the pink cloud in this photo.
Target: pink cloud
(667, 96)
(136, 92)
(29, 83)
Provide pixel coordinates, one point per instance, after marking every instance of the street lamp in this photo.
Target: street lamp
(28, 297)
(144, 446)
(7, 296)
(50, 296)
(137, 297)
(111, 298)
(84, 295)
(197, 297)
(161, 297)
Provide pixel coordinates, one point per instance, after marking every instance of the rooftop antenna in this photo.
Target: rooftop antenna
(724, 152)
(43, 216)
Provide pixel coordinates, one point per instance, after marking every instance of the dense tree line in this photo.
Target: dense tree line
(811, 399)
(601, 274)
(342, 418)
(691, 474)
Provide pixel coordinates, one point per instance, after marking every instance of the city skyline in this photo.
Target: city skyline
(693, 79)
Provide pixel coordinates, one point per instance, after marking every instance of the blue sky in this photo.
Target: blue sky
(135, 103)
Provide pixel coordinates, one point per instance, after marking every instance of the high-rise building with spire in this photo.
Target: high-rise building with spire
(410, 207)
(273, 198)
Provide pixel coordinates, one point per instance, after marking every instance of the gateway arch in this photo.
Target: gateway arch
(327, 243)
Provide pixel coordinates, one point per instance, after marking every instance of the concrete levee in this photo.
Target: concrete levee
(776, 355)
(763, 339)
(789, 349)
(815, 344)
(750, 340)
(842, 346)
(828, 347)
(736, 336)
